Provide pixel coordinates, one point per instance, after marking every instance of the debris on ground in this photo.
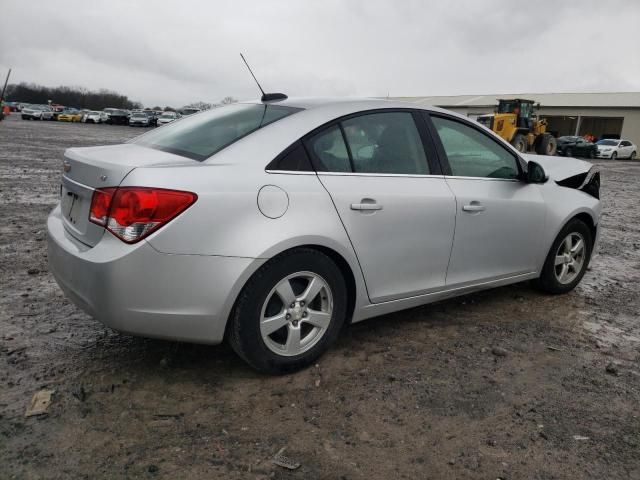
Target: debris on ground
(80, 393)
(39, 403)
(285, 462)
(580, 438)
(499, 352)
(612, 369)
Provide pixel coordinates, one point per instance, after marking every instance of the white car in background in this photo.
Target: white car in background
(167, 117)
(92, 117)
(36, 112)
(614, 149)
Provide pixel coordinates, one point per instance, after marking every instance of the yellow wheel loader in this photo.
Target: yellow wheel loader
(515, 121)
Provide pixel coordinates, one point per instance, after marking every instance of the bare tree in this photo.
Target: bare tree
(199, 105)
(228, 100)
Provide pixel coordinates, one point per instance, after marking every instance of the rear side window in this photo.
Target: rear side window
(202, 135)
(386, 143)
(330, 151)
(293, 159)
(374, 143)
(471, 153)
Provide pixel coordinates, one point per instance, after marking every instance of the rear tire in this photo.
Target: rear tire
(568, 152)
(304, 325)
(633, 156)
(566, 263)
(519, 142)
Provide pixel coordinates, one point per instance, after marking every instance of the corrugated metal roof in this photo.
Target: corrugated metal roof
(619, 99)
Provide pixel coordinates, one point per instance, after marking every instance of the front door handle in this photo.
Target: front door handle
(366, 206)
(473, 207)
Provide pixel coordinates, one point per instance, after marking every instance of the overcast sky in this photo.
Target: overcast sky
(177, 52)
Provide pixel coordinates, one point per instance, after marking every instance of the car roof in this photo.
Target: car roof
(272, 139)
(309, 103)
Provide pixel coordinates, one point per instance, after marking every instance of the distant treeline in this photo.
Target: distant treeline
(69, 96)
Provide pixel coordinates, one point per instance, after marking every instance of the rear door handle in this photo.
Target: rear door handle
(366, 206)
(473, 207)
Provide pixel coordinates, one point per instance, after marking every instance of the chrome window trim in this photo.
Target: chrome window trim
(462, 177)
(290, 172)
(360, 174)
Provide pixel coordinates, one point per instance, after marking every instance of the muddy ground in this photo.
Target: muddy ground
(508, 383)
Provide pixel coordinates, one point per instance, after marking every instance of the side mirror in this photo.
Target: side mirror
(535, 173)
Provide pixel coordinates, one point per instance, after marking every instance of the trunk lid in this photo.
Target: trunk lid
(89, 168)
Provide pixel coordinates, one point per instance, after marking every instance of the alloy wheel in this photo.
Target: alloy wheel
(296, 314)
(570, 258)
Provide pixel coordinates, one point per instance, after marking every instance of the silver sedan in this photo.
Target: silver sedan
(274, 224)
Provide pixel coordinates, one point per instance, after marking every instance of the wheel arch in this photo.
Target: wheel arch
(352, 278)
(588, 220)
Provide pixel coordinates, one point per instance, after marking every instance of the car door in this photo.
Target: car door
(499, 219)
(381, 172)
(625, 149)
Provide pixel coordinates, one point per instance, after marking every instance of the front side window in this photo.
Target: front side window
(472, 153)
(386, 143)
(201, 136)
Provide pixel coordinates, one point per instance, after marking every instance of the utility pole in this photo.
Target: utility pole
(2, 94)
(5, 86)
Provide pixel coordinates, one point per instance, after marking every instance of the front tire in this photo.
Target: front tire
(547, 145)
(568, 258)
(290, 312)
(614, 156)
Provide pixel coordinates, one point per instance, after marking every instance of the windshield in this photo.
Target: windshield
(202, 135)
(611, 143)
(167, 115)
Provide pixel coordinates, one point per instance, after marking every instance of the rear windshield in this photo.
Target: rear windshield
(202, 135)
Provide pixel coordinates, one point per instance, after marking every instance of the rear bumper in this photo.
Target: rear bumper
(138, 290)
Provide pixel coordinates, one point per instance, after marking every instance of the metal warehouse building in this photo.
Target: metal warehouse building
(604, 115)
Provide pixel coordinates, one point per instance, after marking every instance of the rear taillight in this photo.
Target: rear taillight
(132, 213)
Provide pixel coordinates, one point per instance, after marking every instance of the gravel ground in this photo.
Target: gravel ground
(508, 383)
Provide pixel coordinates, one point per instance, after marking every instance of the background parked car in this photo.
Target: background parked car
(139, 119)
(153, 117)
(167, 117)
(36, 112)
(613, 148)
(115, 116)
(92, 116)
(573, 146)
(70, 115)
